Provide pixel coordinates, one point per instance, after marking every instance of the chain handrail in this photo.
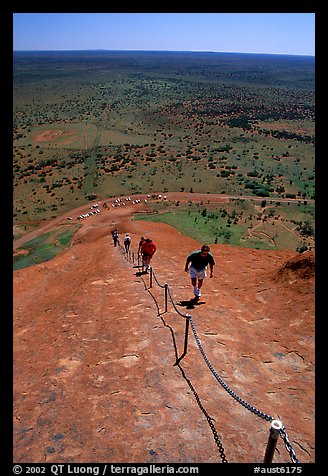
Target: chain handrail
(219, 379)
(288, 445)
(173, 304)
(222, 382)
(209, 421)
(246, 405)
(158, 283)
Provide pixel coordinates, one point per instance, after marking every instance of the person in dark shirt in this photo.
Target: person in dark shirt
(115, 236)
(196, 265)
(142, 240)
(127, 243)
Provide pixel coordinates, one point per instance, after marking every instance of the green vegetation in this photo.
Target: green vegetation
(240, 223)
(43, 248)
(213, 230)
(102, 124)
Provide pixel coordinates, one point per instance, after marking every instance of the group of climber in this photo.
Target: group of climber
(196, 262)
(146, 249)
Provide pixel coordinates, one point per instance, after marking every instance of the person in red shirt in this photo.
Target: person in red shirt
(148, 249)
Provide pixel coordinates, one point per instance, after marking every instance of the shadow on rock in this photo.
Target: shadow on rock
(141, 273)
(191, 303)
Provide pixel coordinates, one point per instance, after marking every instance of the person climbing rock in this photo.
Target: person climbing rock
(148, 249)
(142, 240)
(127, 243)
(196, 265)
(115, 236)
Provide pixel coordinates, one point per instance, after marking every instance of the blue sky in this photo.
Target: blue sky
(274, 33)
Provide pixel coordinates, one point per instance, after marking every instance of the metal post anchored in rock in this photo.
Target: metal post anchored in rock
(150, 278)
(276, 426)
(165, 296)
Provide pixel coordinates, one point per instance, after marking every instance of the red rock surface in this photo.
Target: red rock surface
(94, 354)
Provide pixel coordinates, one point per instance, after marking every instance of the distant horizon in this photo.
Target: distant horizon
(254, 33)
(160, 51)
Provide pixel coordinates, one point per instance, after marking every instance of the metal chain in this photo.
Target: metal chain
(224, 385)
(160, 285)
(173, 304)
(246, 405)
(208, 418)
(254, 410)
(288, 445)
(210, 422)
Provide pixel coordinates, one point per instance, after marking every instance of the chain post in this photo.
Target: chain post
(150, 278)
(276, 426)
(165, 294)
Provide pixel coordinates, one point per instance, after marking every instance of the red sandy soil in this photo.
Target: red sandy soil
(94, 353)
(53, 134)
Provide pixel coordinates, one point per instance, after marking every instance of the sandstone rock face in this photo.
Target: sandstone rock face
(94, 352)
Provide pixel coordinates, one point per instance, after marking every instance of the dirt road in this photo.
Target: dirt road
(170, 196)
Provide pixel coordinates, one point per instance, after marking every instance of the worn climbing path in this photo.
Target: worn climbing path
(94, 374)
